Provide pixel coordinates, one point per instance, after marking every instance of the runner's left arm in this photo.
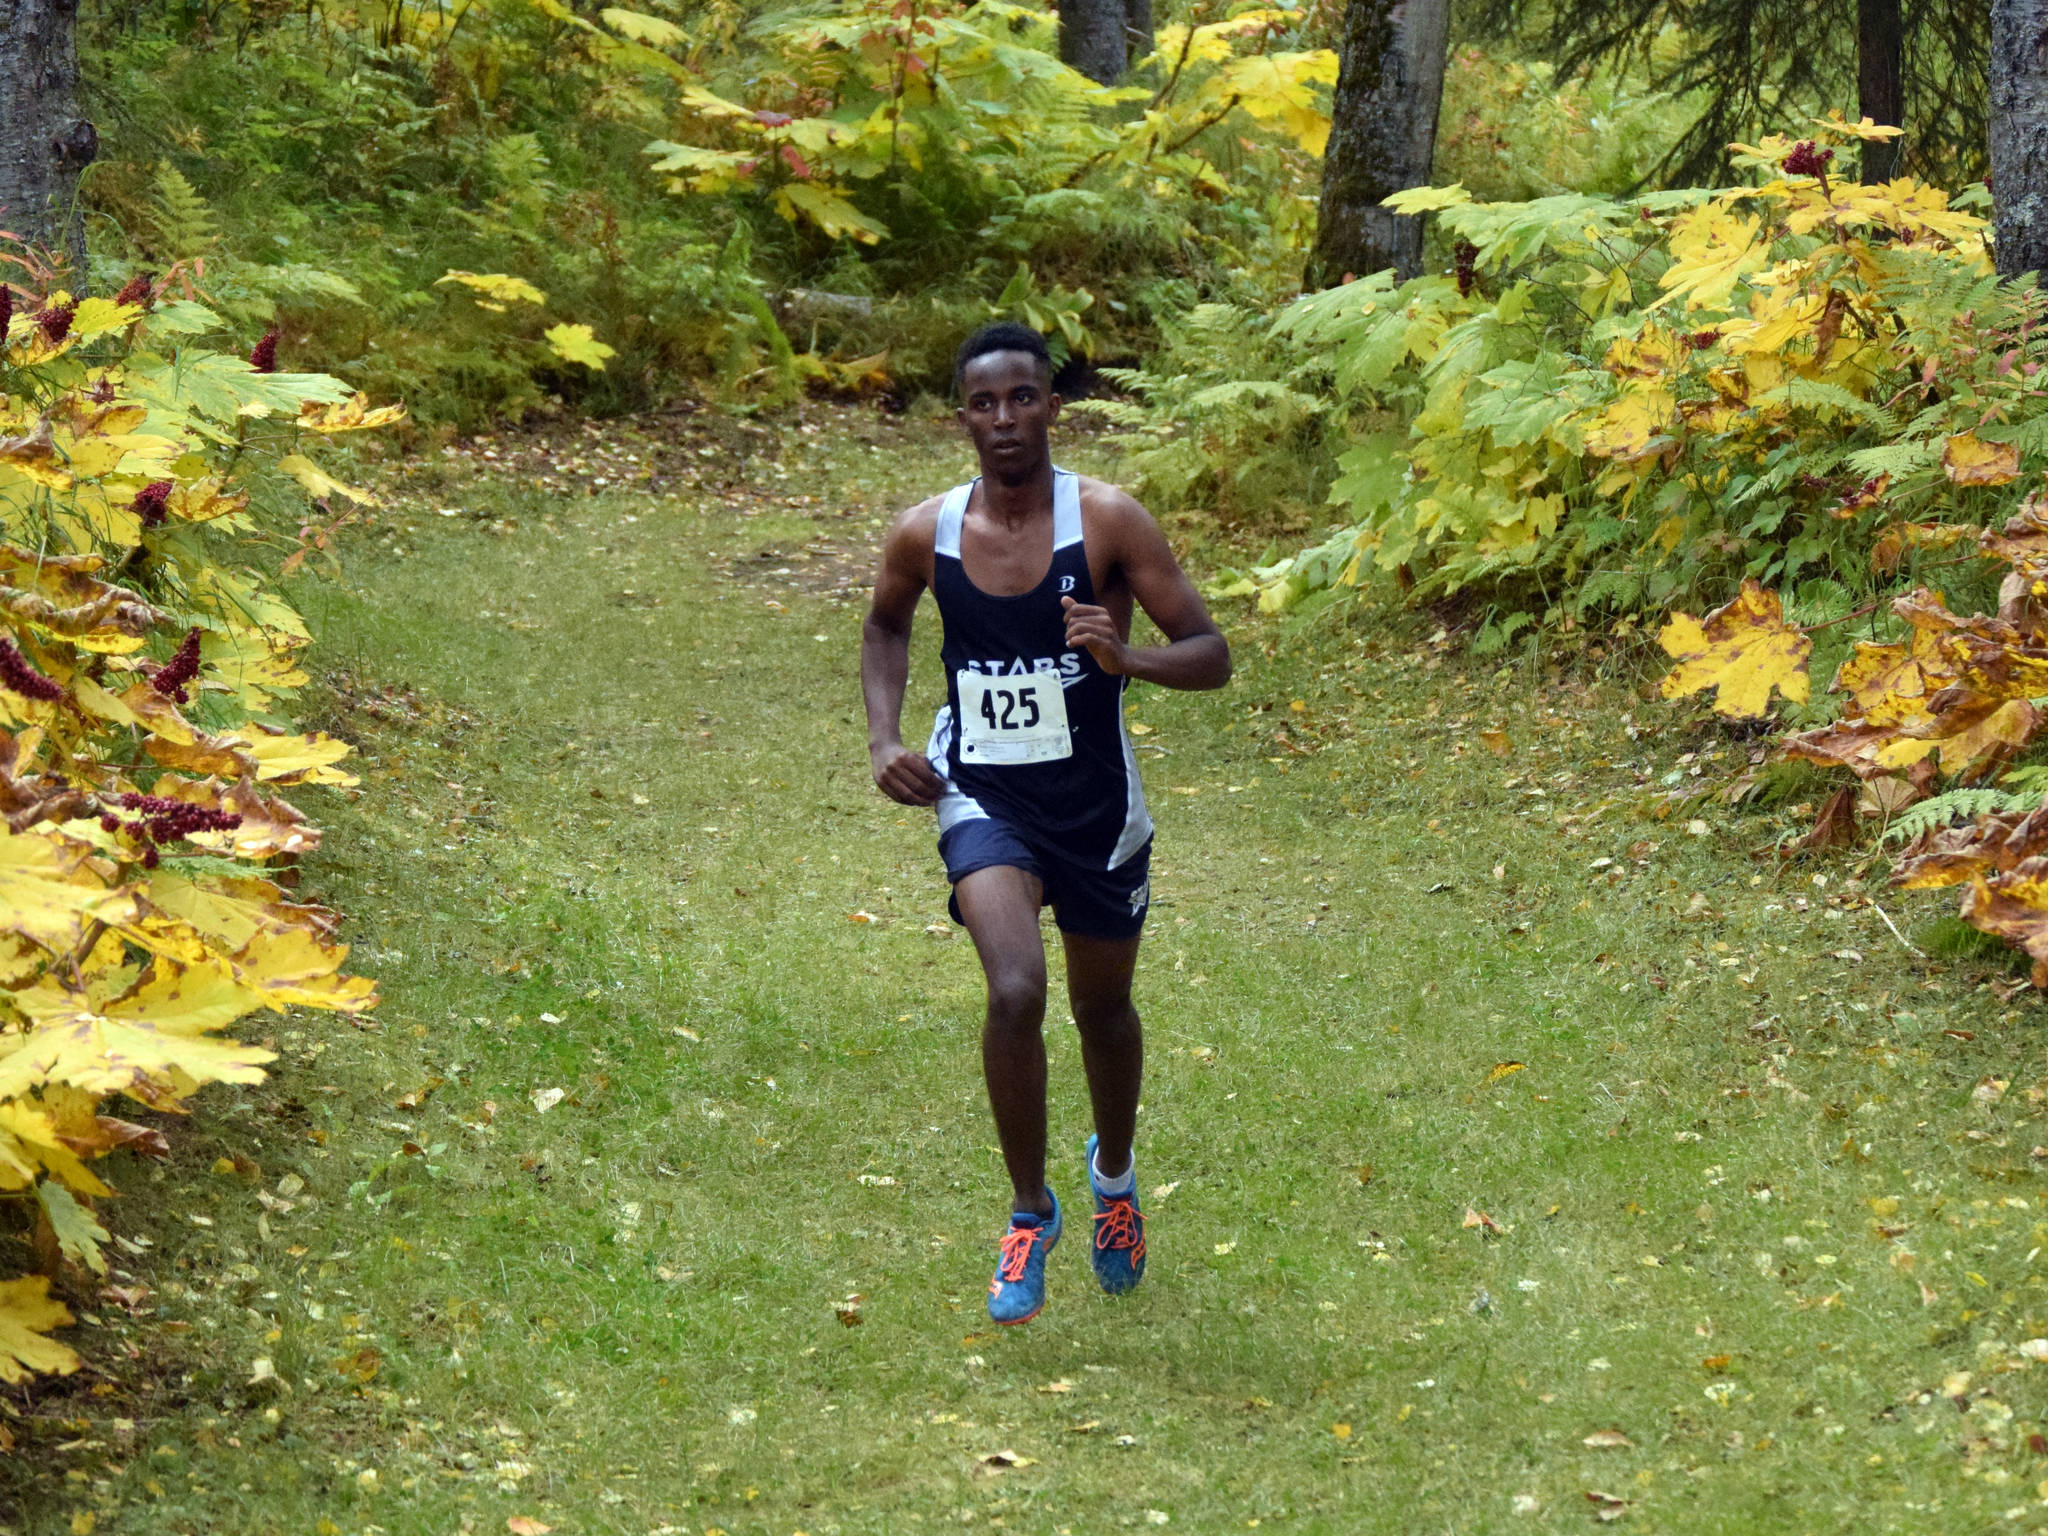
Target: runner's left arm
(1195, 656)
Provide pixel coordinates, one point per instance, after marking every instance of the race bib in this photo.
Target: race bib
(1008, 720)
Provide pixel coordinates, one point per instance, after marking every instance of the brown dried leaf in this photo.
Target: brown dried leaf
(1968, 460)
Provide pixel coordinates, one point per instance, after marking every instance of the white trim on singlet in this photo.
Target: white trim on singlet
(954, 805)
(1066, 514)
(1137, 820)
(952, 512)
(1066, 508)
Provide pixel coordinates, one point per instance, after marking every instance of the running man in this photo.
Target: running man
(1035, 570)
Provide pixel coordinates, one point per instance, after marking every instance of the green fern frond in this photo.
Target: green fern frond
(1958, 805)
(184, 222)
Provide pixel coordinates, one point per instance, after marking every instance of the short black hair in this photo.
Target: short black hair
(1002, 336)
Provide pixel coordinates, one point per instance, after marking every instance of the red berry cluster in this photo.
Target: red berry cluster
(1466, 255)
(151, 502)
(1699, 341)
(170, 678)
(17, 675)
(139, 289)
(165, 820)
(55, 321)
(263, 356)
(1807, 160)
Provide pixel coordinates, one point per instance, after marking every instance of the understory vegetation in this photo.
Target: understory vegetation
(1566, 1099)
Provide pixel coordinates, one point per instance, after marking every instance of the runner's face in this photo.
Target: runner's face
(1009, 409)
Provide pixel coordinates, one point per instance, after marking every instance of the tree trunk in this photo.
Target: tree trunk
(1091, 37)
(1390, 85)
(1138, 34)
(2019, 133)
(1880, 73)
(44, 144)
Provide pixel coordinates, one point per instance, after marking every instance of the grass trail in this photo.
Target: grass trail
(1505, 1146)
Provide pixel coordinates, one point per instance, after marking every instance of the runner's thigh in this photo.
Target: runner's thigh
(1000, 906)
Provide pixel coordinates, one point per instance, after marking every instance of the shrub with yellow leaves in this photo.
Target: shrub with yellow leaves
(1618, 401)
(1952, 697)
(143, 667)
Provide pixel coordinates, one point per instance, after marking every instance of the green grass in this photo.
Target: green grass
(614, 819)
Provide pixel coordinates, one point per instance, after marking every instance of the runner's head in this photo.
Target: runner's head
(1007, 405)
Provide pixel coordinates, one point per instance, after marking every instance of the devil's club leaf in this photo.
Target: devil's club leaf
(1742, 650)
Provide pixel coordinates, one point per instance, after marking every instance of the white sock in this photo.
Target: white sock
(1122, 1184)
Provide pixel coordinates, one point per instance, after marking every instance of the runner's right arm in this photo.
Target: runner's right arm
(900, 580)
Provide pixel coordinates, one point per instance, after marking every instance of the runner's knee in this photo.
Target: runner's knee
(1016, 995)
(1105, 1015)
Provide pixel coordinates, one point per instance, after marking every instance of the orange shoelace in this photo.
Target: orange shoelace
(1016, 1252)
(1118, 1226)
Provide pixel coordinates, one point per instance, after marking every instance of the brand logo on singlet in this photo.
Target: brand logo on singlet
(1141, 896)
(1066, 583)
(1068, 666)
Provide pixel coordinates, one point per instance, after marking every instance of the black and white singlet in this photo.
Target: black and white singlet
(1032, 732)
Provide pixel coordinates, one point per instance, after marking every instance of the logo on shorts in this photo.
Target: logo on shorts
(1066, 583)
(1141, 897)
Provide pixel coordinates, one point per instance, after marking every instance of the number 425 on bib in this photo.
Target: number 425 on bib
(1012, 720)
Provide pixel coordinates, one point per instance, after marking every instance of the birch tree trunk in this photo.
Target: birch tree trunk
(1390, 84)
(2019, 133)
(44, 143)
(1091, 38)
(1880, 76)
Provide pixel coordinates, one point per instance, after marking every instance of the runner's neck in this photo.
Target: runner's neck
(1017, 506)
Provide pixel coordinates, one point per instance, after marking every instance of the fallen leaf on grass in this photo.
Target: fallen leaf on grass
(1606, 1506)
(1227, 1247)
(526, 1525)
(1715, 1362)
(1341, 1431)
(1505, 1069)
(1161, 1191)
(1003, 1459)
(848, 1311)
(419, 1095)
(860, 917)
(1497, 742)
(545, 1099)
(1487, 1226)
(1082, 1429)
(1061, 1385)
(361, 1366)
(1608, 1440)
(1364, 1174)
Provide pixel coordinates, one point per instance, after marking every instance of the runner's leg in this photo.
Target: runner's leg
(1000, 908)
(1112, 1046)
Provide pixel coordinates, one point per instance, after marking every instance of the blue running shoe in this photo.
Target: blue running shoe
(1017, 1293)
(1119, 1252)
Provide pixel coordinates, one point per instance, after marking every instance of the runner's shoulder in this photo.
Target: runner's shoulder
(1110, 508)
(914, 529)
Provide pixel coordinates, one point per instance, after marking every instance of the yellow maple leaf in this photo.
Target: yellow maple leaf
(26, 1314)
(30, 1145)
(1968, 460)
(578, 344)
(51, 887)
(1712, 249)
(1742, 650)
(499, 287)
(353, 414)
(318, 482)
